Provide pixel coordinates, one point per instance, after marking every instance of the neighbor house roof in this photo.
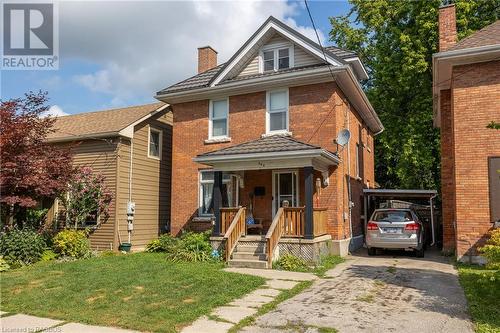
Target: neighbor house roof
(270, 144)
(101, 123)
(489, 35)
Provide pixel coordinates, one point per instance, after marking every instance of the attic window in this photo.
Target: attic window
(154, 143)
(276, 59)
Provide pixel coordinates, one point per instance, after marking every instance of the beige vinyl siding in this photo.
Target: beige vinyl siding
(150, 183)
(101, 156)
(301, 57)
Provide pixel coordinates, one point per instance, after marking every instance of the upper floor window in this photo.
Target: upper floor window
(277, 111)
(218, 119)
(154, 143)
(276, 59)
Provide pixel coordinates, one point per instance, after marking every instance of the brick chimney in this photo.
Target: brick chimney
(447, 27)
(207, 58)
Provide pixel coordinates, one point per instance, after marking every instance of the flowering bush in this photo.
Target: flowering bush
(87, 198)
(72, 243)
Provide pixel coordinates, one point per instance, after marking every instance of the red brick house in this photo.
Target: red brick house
(466, 93)
(258, 131)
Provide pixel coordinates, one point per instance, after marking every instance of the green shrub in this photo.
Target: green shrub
(48, 255)
(21, 247)
(164, 243)
(192, 246)
(72, 243)
(289, 262)
(35, 217)
(4, 266)
(492, 249)
(107, 253)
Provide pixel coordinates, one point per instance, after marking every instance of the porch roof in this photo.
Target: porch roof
(269, 152)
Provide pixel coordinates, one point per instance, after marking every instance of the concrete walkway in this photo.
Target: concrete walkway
(225, 317)
(386, 293)
(25, 323)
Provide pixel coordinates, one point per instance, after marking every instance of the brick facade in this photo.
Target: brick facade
(475, 101)
(316, 112)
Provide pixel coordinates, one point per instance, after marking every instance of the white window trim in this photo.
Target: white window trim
(159, 131)
(200, 195)
(268, 107)
(275, 48)
(275, 189)
(210, 119)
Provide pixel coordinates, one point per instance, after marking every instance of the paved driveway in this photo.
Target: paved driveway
(385, 293)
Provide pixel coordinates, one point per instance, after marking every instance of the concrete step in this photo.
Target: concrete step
(247, 263)
(248, 255)
(250, 248)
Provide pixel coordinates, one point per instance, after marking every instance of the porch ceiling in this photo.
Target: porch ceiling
(272, 152)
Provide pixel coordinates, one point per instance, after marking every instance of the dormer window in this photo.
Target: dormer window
(275, 59)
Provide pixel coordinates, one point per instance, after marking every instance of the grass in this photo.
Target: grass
(482, 288)
(326, 263)
(138, 291)
(284, 295)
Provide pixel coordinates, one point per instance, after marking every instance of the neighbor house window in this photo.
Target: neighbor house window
(277, 111)
(154, 143)
(206, 178)
(219, 115)
(276, 59)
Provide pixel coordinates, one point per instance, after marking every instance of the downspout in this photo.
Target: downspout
(349, 194)
(130, 181)
(432, 219)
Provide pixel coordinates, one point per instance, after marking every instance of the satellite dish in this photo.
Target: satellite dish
(343, 137)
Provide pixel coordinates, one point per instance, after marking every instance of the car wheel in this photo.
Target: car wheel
(372, 251)
(419, 253)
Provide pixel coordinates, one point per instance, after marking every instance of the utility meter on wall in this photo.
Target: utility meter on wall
(130, 208)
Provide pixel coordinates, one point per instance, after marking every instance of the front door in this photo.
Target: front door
(285, 187)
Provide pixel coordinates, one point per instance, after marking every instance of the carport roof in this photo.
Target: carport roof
(399, 193)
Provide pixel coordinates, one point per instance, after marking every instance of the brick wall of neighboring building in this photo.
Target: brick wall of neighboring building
(475, 103)
(316, 115)
(447, 172)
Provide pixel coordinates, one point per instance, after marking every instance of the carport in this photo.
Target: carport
(372, 196)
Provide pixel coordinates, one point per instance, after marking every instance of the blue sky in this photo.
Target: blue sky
(115, 54)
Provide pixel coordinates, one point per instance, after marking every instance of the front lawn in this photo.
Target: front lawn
(482, 288)
(140, 291)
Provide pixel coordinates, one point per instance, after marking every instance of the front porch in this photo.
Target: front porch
(270, 201)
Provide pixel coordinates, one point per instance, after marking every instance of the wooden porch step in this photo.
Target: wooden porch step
(249, 256)
(250, 248)
(247, 263)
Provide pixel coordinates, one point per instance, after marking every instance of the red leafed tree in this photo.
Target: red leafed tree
(31, 169)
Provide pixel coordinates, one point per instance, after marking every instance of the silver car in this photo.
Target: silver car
(395, 229)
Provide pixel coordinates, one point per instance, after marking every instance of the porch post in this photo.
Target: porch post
(217, 200)
(309, 189)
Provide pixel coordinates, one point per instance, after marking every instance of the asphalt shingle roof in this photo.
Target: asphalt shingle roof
(269, 144)
(489, 35)
(98, 122)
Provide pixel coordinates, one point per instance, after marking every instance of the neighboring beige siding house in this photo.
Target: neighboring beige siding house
(132, 148)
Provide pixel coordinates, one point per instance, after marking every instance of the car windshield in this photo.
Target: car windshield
(392, 216)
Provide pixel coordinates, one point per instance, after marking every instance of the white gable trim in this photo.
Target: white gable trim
(271, 25)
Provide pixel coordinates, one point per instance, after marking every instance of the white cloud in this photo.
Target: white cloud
(143, 47)
(54, 111)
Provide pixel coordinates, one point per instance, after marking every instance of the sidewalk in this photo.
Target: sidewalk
(224, 318)
(26, 323)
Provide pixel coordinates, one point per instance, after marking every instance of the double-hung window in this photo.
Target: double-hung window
(206, 179)
(276, 59)
(154, 143)
(219, 116)
(277, 111)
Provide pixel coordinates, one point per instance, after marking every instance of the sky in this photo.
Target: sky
(119, 53)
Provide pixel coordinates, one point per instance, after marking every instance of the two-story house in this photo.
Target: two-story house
(466, 91)
(254, 145)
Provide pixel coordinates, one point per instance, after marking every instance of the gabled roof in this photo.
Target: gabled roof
(101, 123)
(218, 75)
(489, 35)
(269, 144)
